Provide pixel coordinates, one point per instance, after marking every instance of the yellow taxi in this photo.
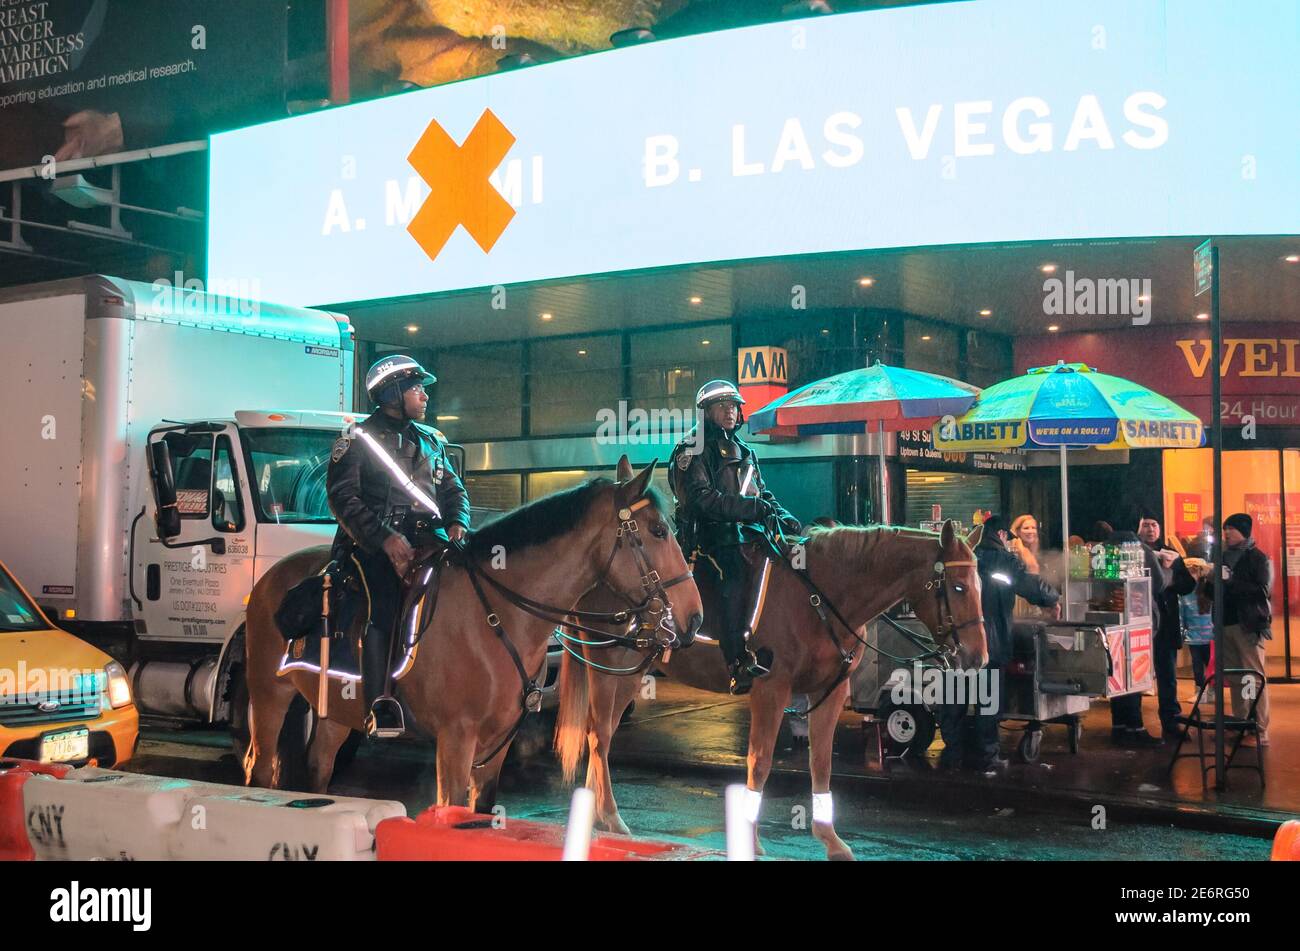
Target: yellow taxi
(61, 700)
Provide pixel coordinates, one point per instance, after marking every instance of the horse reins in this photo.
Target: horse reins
(656, 604)
(950, 627)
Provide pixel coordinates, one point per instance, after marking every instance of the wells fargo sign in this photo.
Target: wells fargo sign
(1259, 365)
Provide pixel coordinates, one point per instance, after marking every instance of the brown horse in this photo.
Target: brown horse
(463, 688)
(860, 572)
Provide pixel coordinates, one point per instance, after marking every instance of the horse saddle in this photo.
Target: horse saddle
(302, 611)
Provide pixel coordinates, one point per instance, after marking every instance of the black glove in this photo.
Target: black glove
(765, 511)
(791, 525)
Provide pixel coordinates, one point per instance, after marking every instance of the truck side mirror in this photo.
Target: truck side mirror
(168, 518)
(457, 456)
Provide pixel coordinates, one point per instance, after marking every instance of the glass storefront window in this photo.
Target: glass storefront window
(570, 380)
(479, 393)
(668, 366)
(988, 359)
(931, 347)
(494, 492)
(545, 483)
(1251, 484)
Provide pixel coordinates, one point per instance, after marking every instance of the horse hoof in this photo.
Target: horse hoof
(616, 826)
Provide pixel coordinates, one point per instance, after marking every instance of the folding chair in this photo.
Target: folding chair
(1240, 727)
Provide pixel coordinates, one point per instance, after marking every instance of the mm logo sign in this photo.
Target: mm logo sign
(461, 193)
(761, 365)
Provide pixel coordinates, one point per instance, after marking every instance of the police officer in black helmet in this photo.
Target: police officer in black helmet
(726, 512)
(381, 523)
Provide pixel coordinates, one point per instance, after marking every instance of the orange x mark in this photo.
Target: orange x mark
(461, 193)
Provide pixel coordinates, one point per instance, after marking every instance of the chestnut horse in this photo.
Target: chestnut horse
(858, 573)
(464, 689)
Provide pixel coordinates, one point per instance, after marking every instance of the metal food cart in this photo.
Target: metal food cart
(1102, 650)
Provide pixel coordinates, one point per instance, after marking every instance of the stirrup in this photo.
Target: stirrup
(386, 720)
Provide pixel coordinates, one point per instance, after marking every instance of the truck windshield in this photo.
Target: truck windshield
(288, 468)
(16, 612)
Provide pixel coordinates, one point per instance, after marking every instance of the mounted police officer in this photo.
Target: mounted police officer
(726, 512)
(382, 520)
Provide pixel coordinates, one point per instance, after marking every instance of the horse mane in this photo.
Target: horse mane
(856, 544)
(545, 519)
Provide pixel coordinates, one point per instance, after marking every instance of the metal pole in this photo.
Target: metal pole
(1065, 532)
(1286, 586)
(336, 31)
(1216, 444)
(884, 477)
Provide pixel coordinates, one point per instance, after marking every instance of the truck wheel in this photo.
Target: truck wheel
(240, 737)
(908, 726)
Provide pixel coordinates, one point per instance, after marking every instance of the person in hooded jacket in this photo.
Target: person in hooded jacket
(972, 740)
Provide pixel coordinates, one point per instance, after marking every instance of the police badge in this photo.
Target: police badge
(341, 446)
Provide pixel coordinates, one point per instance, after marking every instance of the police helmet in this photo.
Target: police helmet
(389, 377)
(716, 390)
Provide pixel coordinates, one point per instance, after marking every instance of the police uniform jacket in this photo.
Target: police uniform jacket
(711, 511)
(363, 493)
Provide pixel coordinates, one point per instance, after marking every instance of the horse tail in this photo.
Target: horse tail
(571, 720)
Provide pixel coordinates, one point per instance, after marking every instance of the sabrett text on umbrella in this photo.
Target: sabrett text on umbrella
(1001, 431)
(1161, 429)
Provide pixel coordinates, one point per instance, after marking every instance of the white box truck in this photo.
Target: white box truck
(117, 394)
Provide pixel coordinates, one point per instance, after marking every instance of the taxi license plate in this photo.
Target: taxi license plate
(66, 746)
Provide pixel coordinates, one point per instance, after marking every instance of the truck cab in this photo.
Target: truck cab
(224, 501)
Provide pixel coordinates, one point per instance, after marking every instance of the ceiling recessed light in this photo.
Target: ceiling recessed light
(582, 353)
(1202, 316)
(925, 337)
(547, 316)
(1293, 259)
(1048, 269)
(986, 313)
(704, 343)
(825, 331)
(695, 300)
(1053, 329)
(411, 328)
(866, 281)
(447, 419)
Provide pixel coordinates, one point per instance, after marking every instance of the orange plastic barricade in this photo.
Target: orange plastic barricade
(1286, 844)
(14, 845)
(454, 833)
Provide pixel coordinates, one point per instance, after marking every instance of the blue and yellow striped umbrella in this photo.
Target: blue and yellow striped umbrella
(1072, 405)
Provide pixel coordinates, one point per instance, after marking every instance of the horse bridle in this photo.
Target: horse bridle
(948, 624)
(656, 604)
(653, 587)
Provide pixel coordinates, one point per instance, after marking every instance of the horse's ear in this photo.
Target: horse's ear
(624, 468)
(949, 535)
(634, 489)
(976, 533)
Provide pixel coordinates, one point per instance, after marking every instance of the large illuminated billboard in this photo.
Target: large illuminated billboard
(951, 123)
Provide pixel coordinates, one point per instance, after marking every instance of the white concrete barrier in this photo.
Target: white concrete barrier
(104, 814)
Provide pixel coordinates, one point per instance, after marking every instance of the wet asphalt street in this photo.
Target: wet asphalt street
(686, 806)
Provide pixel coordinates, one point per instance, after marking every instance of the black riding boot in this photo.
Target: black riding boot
(385, 719)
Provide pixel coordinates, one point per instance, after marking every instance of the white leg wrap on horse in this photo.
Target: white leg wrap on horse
(823, 809)
(753, 804)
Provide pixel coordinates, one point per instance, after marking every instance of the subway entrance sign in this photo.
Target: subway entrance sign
(761, 375)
